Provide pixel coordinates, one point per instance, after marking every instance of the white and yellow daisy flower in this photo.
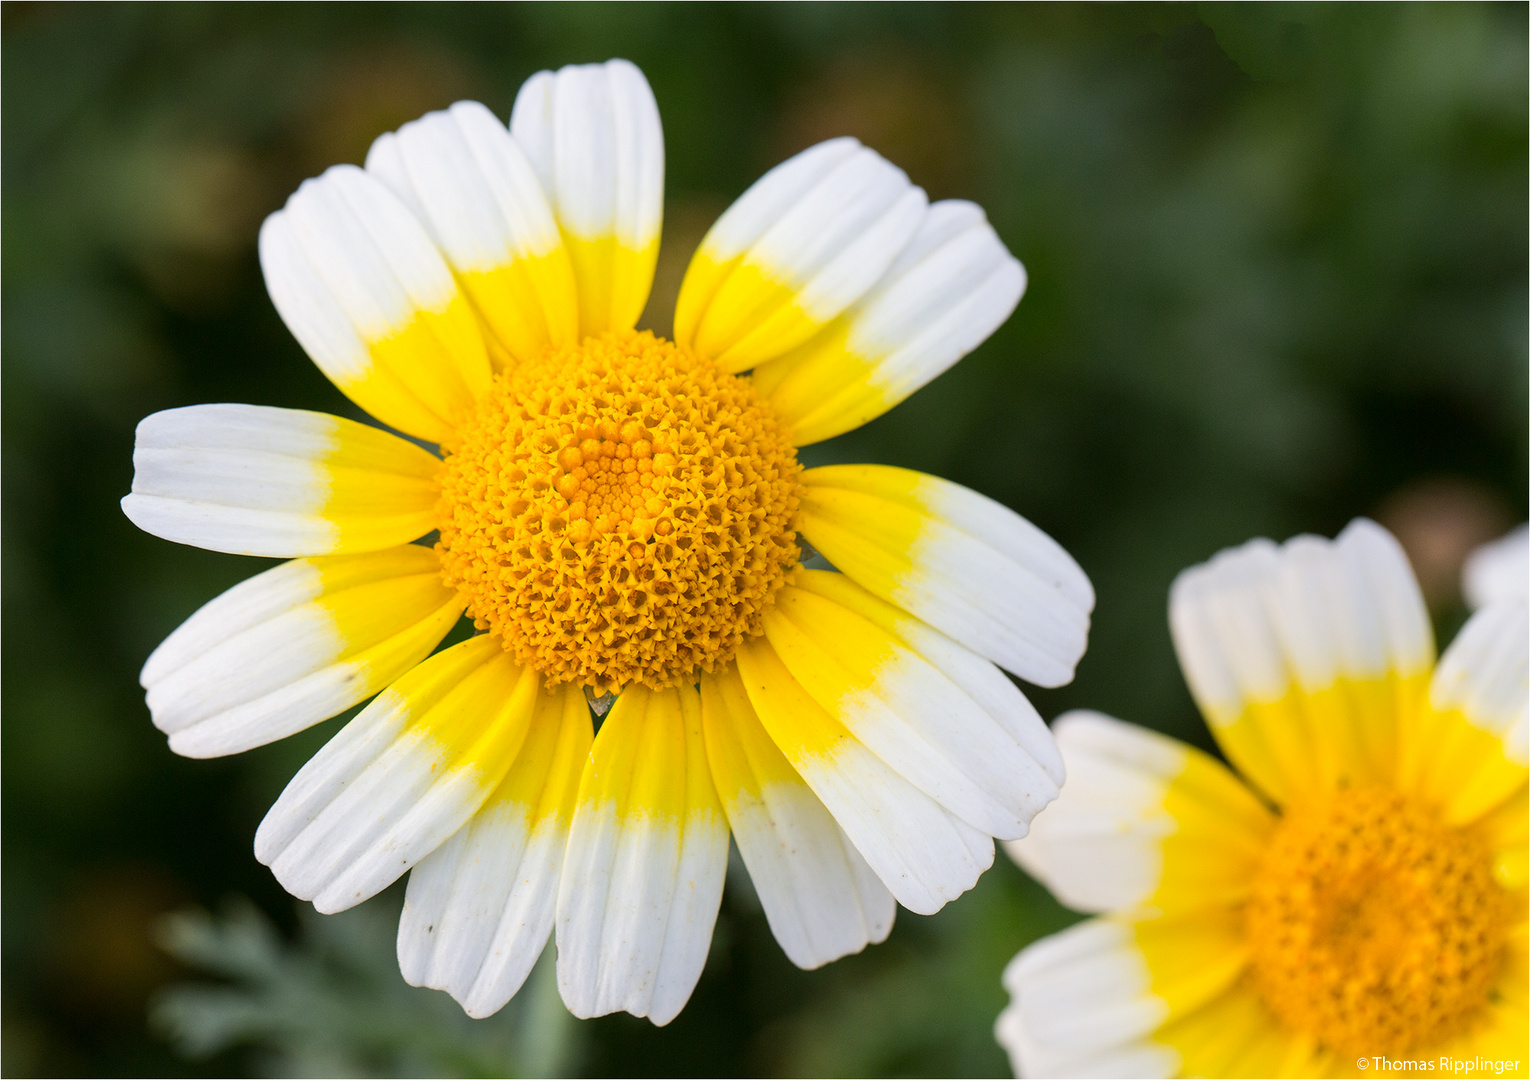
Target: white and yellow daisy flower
(1358, 893)
(618, 514)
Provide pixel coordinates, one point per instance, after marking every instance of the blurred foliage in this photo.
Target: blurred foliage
(1278, 278)
(332, 1004)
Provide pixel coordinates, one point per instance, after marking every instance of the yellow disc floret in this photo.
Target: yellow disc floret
(1375, 928)
(619, 511)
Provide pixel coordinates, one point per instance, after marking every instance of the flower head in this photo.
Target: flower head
(617, 514)
(1359, 891)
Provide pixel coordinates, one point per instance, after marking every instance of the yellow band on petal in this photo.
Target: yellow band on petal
(1220, 830)
(739, 314)
(644, 747)
(482, 719)
(528, 304)
(1192, 960)
(1507, 828)
(361, 593)
(1235, 1035)
(1307, 742)
(613, 280)
(744, 761)
(561, 763)
(703, 277)
(825, 387)
(796, 723)
(1452, 762)
(424, 378)
(381, 489)
(872, 530)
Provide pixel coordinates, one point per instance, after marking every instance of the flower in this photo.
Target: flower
(1358, 892)
(619, 515)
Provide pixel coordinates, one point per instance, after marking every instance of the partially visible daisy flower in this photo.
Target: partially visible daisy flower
(620, 516)
(1360, 888)
(1498, 571)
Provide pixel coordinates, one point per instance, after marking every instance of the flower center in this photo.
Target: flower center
(1373, 926)
(619, 511)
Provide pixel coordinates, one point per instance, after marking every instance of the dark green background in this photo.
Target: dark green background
(1278, 278)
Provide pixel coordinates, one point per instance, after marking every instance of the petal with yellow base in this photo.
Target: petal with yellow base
(951, 287)
(821, 899)
(400, 778)
(254, 480)
(809, 239)
(967, 565)
(592, 134)
(479, 909)
(357, 280)
(647, 851)
(473, 189)
(295, 645)
(925, 855)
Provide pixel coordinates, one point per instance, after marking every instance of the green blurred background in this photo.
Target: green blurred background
(1278, 278)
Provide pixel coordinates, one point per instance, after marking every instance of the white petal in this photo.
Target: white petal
(1078, 996)
(1498, 571)
(400, 778)
(364, 290)
(480, 907)
(1141, 1058)
(942, 717)
(808, 240)
(296, 645)
(1099, 847)
(474, 190)
(472, 187)
(950, 288)
(925, 855)
(254, 480)
(1255, 617)
(592, 133)
(821, 899)
(1292, 653)
(1486, 674)
(647, 853)
(773, 195)
(967, 565)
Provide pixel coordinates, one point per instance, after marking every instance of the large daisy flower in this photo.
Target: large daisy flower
(1357, 894)
(619, 516)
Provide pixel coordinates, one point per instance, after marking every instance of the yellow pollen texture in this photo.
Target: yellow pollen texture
(619, 511)
(1373, 927)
